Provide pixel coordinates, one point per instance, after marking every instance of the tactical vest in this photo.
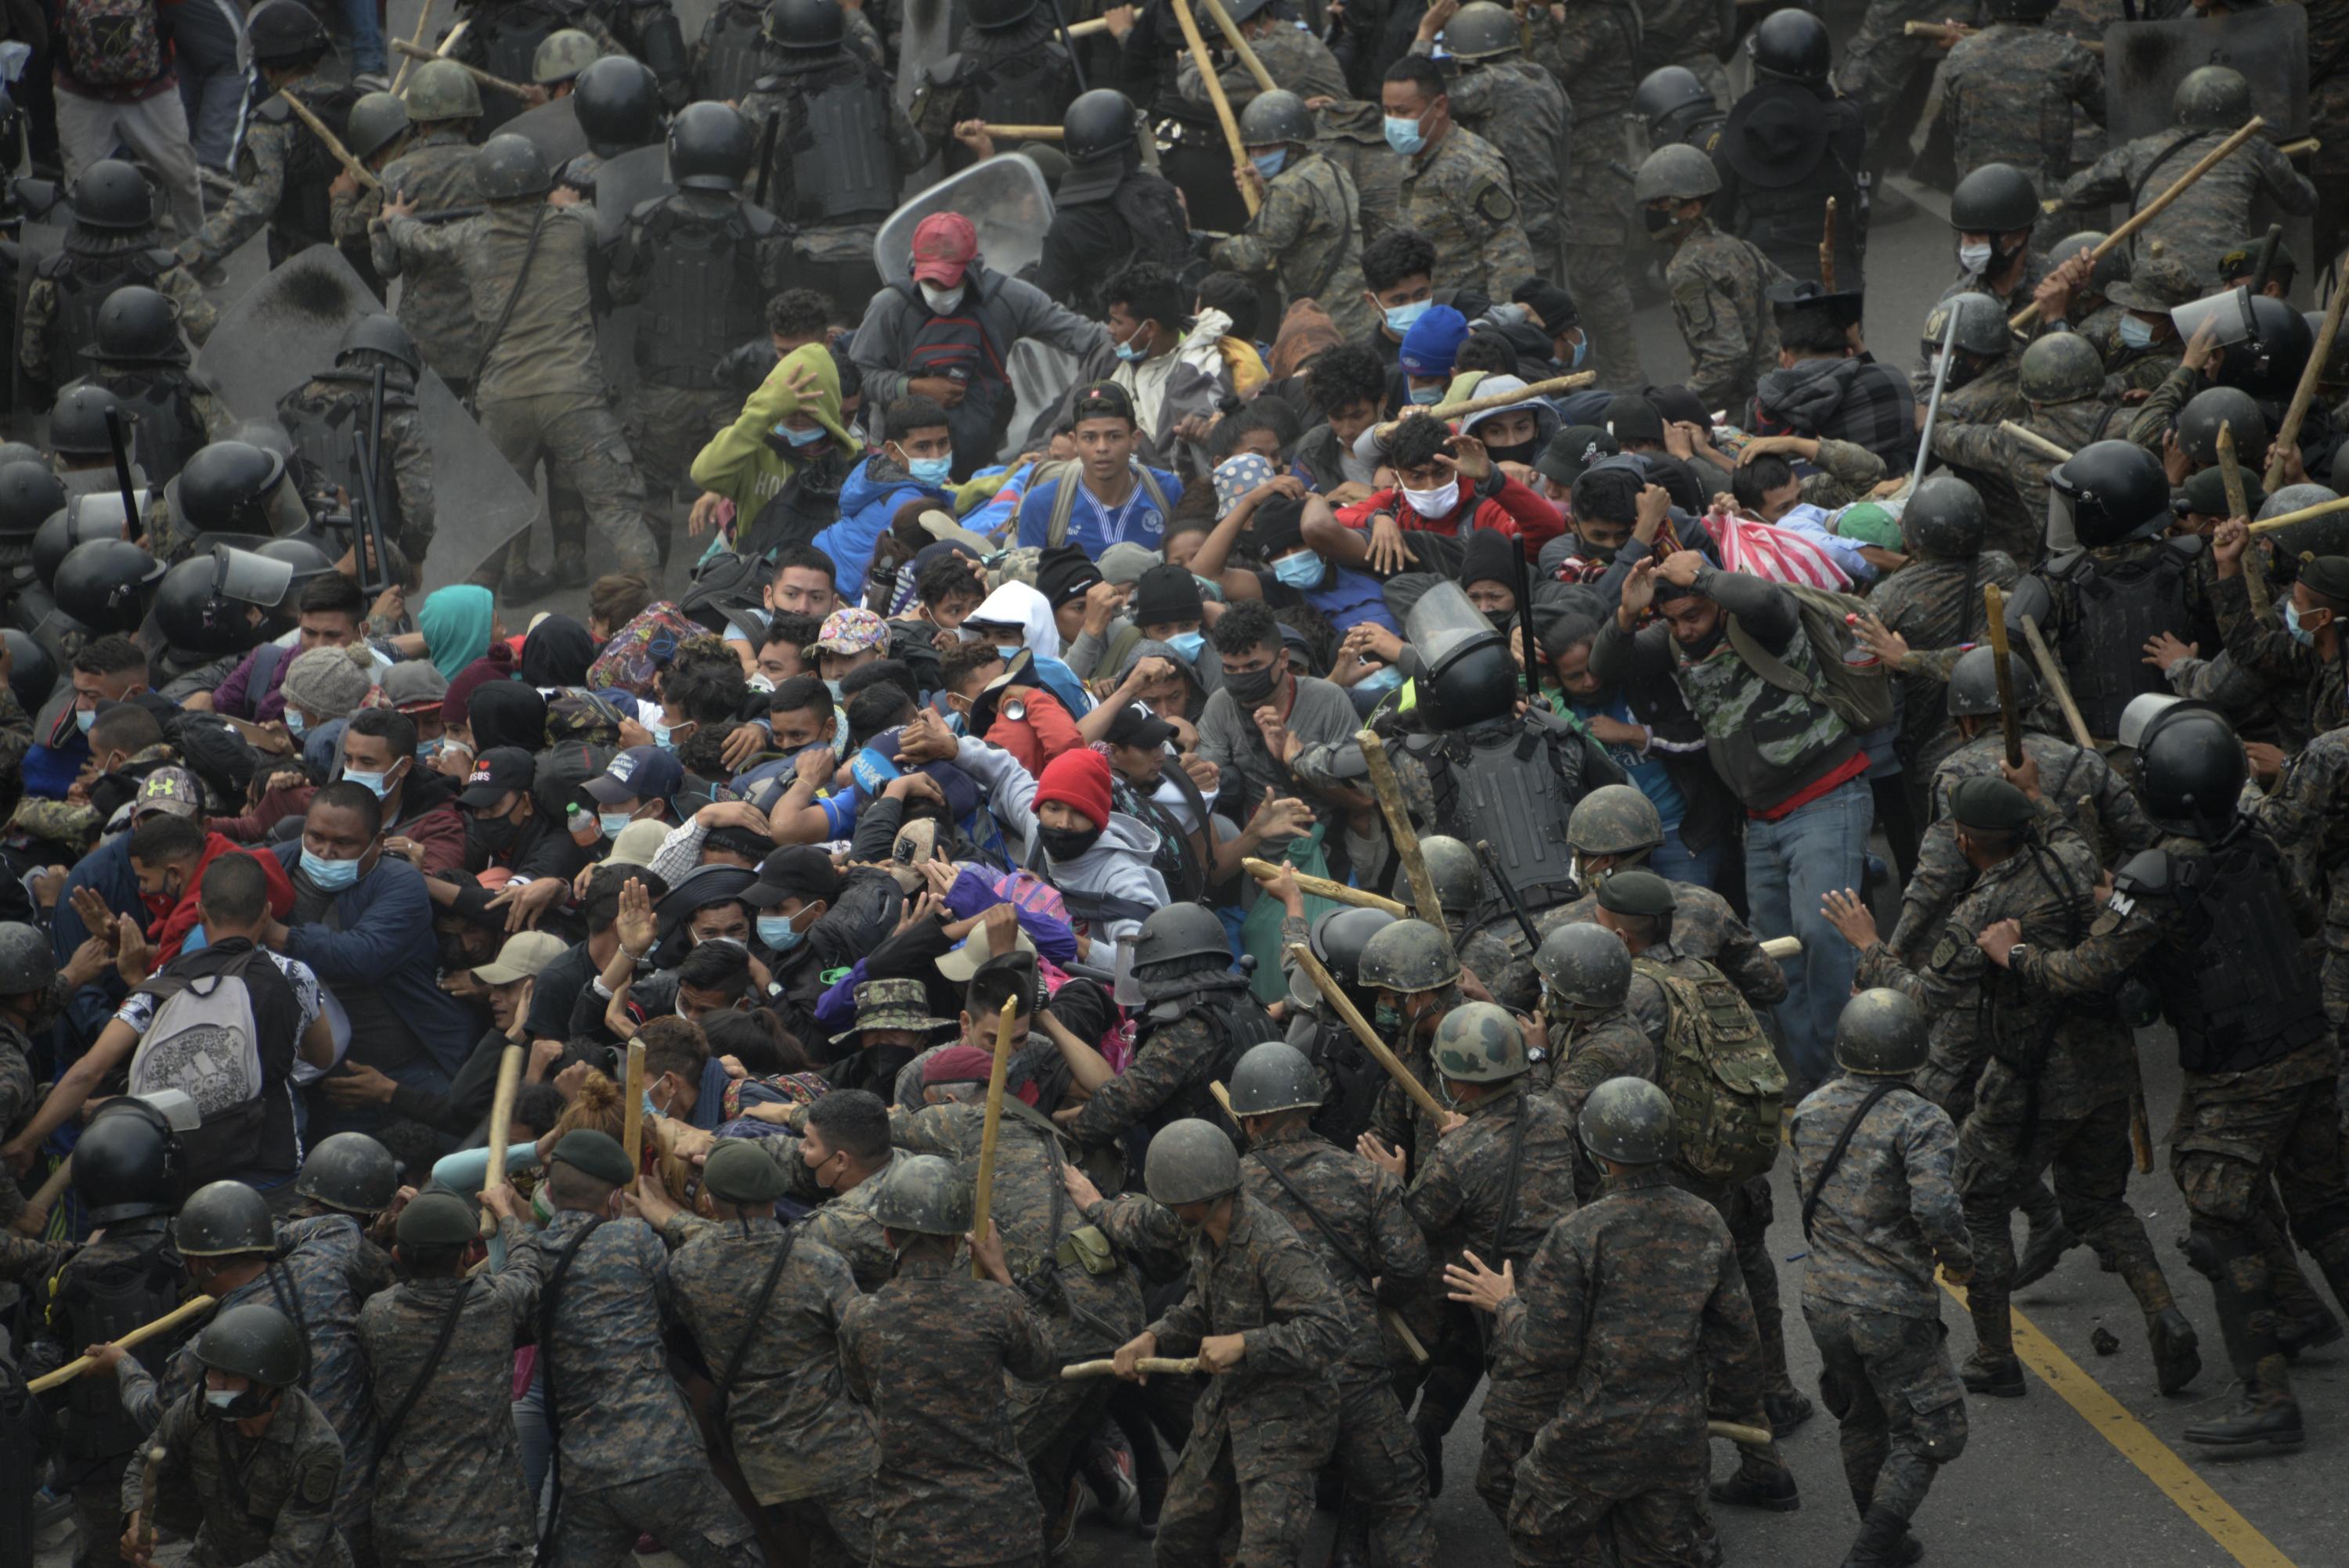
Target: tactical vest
(1231, 1015)
(1354, 1081)
(328, 438)
(99, 1303)
(1783, 222)
(2231, 974)
(82, 280)
(167, 431)
(703, 295)
(1028, 83)
(1514, 785)
(1153, 216)
(836, 135)
(304, 212)
(735, 54)
(503, 41)
(2121, 607)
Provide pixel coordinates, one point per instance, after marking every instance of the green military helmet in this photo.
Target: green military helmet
(252, 1341)
(563, 55)
(1479, 1042)
(1945, 518)
(1628, 1121)
(925, 1195)
(1982, 325)
(349, 1172)
(2211, 97)
(375, 121)
(222, 1217)
(1452, 867)
(1409, 955)
(27, 962)
(1271, 1078)
(442, 89)
(1614, 820)
(1191, 1162)
(1881, 1034)
(1973, 683)
(1680, 172)
(738, 1171)
(1586, 965)
(2060, 368)
(1481, 30)
(1274, 117)
(436, 1217)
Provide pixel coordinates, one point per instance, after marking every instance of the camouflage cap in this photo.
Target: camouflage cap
(171, 789)
(893, 1005)
(2158, 285)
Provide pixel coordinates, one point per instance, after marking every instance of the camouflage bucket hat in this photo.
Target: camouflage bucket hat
(893, 1005)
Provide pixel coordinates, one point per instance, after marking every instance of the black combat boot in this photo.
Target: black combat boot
(1883, 1542)
(2265, 1416)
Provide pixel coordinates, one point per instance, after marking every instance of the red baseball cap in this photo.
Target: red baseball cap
(943, 244)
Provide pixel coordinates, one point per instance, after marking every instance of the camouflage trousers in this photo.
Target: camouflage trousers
(833, 1531)
(1496, 1467)
(2328, 168)
(2090, 1160)
(2236, 1131)
(1385, 1473)
(586, 450)
(669, 426)
(1554, 1523)
(1888, 1382)
(1880, 62)
(1597, 199)
(685, 1510)
(1746, 1207)
(1274, 1502)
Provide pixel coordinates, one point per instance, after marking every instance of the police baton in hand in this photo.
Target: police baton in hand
(1343, 1005)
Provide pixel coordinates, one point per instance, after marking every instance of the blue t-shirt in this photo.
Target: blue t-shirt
(1654, 780)
(1093, 527)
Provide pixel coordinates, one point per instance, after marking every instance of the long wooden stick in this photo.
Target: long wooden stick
(1022, 132)
(1322, 887)
(2053, 675)
(1751, 1436)
(150, 1485)
(632, 1109)
(408, 63)
(1232, 36)
(2238, 504)
(35, 1217)
(2036, 441)
(1190, 25)
(502, 1104)
(1467, 405)
(1102, 1369)
(1088, 29)
(2010, 721)
(994, 1126)
(2287, 437)
(1399, 828)
(2323, 508)
(1782, 947)
(1828, 248)
(1302, 956)
(333, 143)
(2154, 209)
(495, 84)
(194, 1306)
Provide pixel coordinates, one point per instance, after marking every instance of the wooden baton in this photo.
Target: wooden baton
(2287, 438)
(1263, 82)
(1215, 85)
(1022, 132)
(2053, 675)
(2010, 722)
(1344, 1007)
(333, 143)
(1467, 405)
(1827, 248)
(1399, 828)
(1782, 947)
(407, 62)
(985, 1198)
(495, 84)
(35, 1217)
(1322, 887)
(2036, 441)
(502, 1104)
(2269, 525)
(1102, 1369)
(2238, 504)
(632, 1125)
(194, 1306)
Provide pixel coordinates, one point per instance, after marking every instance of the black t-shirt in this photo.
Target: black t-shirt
(560, 984)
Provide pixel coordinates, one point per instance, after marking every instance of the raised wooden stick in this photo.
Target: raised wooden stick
(502, 1104)
(495, 84)
(1088, 29)
(2154, 209)
(1223, 1098)
(632, 1109)
(1399, 828)
(1322, 887)
(35, 1217)
(985, 1199)
(2287, 437)
(2238, 504)
(2270, 525)
(1467, 405)
(333, 143)
(2009, 720)
(1263, 82)
(1344, 1007)
(194, 1306)
(2053, 674)
(408, 63)
(1022, 132)
(1102, 1369)
(1827, 248)
(151, 1486)
(2036, 441)
(1213, 84)
(1782, 947)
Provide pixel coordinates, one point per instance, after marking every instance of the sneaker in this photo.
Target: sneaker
(1112, 1473)
(1063, 1533)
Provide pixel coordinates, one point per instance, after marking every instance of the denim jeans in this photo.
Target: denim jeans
(207, 41)
(367, 34)
(1676, 861)
(1790, 864)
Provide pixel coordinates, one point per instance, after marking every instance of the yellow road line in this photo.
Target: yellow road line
(2136, 1443)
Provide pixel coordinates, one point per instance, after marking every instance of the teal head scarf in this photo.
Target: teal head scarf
(455, 622)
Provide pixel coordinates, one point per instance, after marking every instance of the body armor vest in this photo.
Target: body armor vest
(1783, 222)
(99, 1302)
(305, 214)
(703, 296)
(1512, 784)
(168, 431)
(1354, 1081)
(504, 41)
(82, 280)
(837, 139)
(1024, 79)
(328, 438)
(2121, 606)
(1231, 1013)
(736, 53)
(2231, 974)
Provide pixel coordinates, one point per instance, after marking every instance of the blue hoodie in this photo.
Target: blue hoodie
(875, 488)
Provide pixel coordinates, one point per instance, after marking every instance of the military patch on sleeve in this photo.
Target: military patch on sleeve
(1945, 951)
(319, 1479)
(1493, 203)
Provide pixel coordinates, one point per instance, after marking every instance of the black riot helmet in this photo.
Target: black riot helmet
(32, 669)
(113, 195)
(1469, 674)
(136, 324)
(999, 15)
(378, 332)
(1791, 44)
(224, 487)
(806, 26)
(126, 1162)
(617, 100)
(78, 423)
(1097, 123)
(204, 604)
(1996, 199)
(2190, 763)
(1945, 518)
(30, 494)
(105, 584)
(1338, 938)
(709, 147)
(2113, 490)
(2267, 364)
(285, 33)
(2199, 423)
(73, 524)
(1666, 91)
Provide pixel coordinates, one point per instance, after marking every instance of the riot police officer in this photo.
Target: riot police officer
(617, 101)
(733, 52)
(140, 356)
(112, 242)
(1013, 69)
(1675, 106)
(502, 36)
(107, 585)
(435, 170)
(2062, 381)
(1789, 146)
(332, 419)
(211, 606)
(702, 264)
(1109, 210)
(650, 31)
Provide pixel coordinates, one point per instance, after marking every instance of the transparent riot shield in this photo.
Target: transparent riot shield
(288, 327)
(1006, 199)
(552, 127)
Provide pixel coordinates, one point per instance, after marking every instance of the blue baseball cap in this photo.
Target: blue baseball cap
(639, 773)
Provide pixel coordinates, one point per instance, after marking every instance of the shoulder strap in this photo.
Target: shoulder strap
(1843, 1142)
(399, 1417)
(1516, 1173)
(1320, 1221)
(751, 1326)
(513, 297)
(1765, 664)
(265, 660)
(549, 1299)
(281, 1281)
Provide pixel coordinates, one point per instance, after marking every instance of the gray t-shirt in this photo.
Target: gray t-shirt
(1322, 715)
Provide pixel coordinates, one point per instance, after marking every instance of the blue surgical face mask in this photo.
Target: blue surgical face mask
(83, 717)
(929, 471)
(660, 737)
(1006, 654)
(1188, 644)
(778, 933)
(376, 784)
(1301, 571)
(1269, 163)
(1380, 681)
(2136, 334)
(2300, 634)
(1581, 352)
(802, 437)
(329, 876)
(295, 725)
(1404, 135)
(834, 688)
(1127, 351)
(1426, 396)
(426, 750)
(1402, 317)
(613, 823)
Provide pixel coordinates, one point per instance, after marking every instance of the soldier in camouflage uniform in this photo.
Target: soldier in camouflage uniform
(2008, 92)
(1992, 212)
(1511, 102)
(1308, 230)
(1585, 979)
(448, 1480)
(1720, 285)
(1634, 1307)
(1458, 191)
(2210, 214)
(1687, 33)
(251, 1481)
(627, 1455)
(1260, 1314)
(1292, 57)
(2062, 380)
(437, 170)
(806, 1450)
(343, 397)
(835, 1156)
(2055, 1079)
(111, 241)
(376, 133)
(1882, 62)
(1877, 1221)
(2132, 329)
(1591, 49)
(502, 36)
(1352, 137)
(539, 392)
(930, 1353)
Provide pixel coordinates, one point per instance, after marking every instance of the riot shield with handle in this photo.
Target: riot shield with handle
(288, 328)
(621, 185)
(552, 127)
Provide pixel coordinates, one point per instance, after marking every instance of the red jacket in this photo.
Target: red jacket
(1042, 735)
(172, 929)
(1513, 509)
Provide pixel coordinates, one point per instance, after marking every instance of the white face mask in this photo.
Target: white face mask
(1973, 258)
(1437, 502)
(938, 299)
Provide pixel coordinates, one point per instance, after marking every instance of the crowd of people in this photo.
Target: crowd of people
(968, 951)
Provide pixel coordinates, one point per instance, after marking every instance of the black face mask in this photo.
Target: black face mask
(1659, 221)
(1062, 845)
(1252, 687)
(492, 835)
(1521, 452)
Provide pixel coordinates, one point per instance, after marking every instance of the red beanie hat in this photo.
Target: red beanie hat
(1078, 778)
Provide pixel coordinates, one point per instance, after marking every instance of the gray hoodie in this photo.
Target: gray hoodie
(1117, 867)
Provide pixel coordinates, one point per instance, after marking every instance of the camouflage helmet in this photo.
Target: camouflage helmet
(1190, 1161)
(1479, 1042)
(1276, 117)
(222, 1217)
(442, 89)
(375, 121)
(1586, 965)
(284, 33)
(349, 1172)
(1945, 518)
(1178, 932)
(1480, 30)
(1627, 1120)
(28, 962)
(1614, 820)
(1338, 937)
(1408, 956)
(2207, 410)
(1274, 1077)
(1880, 1034)
(2211, 97)
(252, 1341)
(1973, 683)
(436, 1217)
(1452, 867)
(1982, 325)
(563, 55)
(925, 1195)
(1680, 172)
(511, 168)
(2157, 285)
(2060, 368)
